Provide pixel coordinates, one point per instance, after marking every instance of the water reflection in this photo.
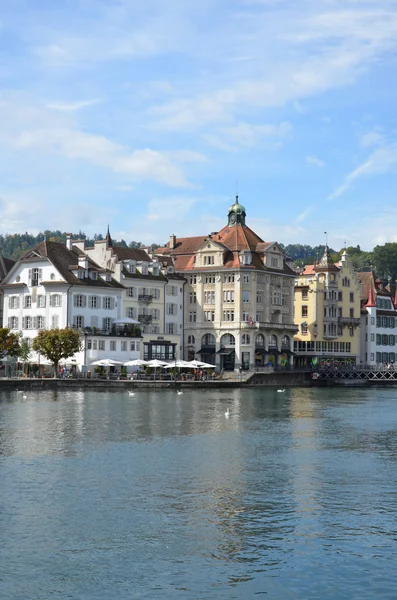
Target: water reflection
(291, 496)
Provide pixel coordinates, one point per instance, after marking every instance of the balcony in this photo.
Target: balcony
(145, 298)
(145, 319)
(131, 331)
(348, 321)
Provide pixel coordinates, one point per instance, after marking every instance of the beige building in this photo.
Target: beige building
(238, 296)
(327, 312)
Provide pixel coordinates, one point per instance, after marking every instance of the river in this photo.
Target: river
(158, 495)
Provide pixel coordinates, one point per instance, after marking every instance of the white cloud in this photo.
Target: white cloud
(381, 161)
(314, 161)
(72, 106)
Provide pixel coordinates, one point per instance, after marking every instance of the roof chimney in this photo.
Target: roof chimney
(172, 243)
(69, 241)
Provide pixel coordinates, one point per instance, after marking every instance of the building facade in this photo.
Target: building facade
(238, 297)
(378, 321)
(327, 312)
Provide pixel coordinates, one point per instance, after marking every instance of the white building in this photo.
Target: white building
(55, 286)
(378, 331)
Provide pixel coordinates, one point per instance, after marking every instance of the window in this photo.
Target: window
(101, 345)
(27, 323)
(209, 315)
(351, 297)
(352, 313)
(259, 297)
(260, 340)
(78, 321)
(55, 300)
(132, 267)
(274, 262)
(80, 273)
(340, 296)
(191, 339)
(192, 316)
(228, 315)
(89, 344)
(245, 339)
(107, 323)
(131, 292)
(13, 322)
(27, 302)
(304, 310)
(144, 270)
(351, 331)
(305, 294)
(124, 346)
(372, 356)
(229, 278)
(246, 317)
(209, 260)
(112, 346)
(246, 278)
(192, 279)
(40, 301)
(95, 302)
(372, 320)
(79, 300)
(55, 321)
(246, 296)
(209, 297)
(277, 298)
(259, 316)
(171, 328)
(172, 309)
(228, 296)
(108, 302)
(304, 329)
(346, 282)
(13, 302)
(40, 322)
(192, 298)
(131, 312)
(372, 337)
(210, 279)
(35, 276)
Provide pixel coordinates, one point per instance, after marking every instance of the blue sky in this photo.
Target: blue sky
(145, 115)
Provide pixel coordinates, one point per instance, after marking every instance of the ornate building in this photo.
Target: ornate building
(378, 320)
(327, 311)
(238, 297)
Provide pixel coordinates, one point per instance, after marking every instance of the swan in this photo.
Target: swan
(227, 413)
(281, 390)
(24, 396)
(131, 393)
(179, 392)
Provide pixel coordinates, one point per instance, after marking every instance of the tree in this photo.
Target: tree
(385, 259)
(56, 344)
(9, 343)
(24, 352)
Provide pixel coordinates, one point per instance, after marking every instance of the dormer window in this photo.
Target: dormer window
(170, 270)
(80, 274)
(245, 258)
(209, 259)
(94, 275)
(144, 270)
(155, 270)
(132, 267)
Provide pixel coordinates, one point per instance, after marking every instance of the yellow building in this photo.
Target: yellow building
(327, 312)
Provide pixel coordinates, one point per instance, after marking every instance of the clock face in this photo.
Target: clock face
(232, 218)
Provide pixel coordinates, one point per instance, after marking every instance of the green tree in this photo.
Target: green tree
(56, 344)
(24, 352)
(9, 343)
(385, 259)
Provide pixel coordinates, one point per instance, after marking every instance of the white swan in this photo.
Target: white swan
(24, 396)
(227, 413)
(131, 393)
(179, 392)
(281, 390)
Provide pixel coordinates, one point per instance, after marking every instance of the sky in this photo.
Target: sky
(150, 116)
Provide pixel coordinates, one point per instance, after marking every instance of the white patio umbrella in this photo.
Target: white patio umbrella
(136, 363)
(125, 321)
(179, 364)
(197, 364)
(155, 364)
(106, 362)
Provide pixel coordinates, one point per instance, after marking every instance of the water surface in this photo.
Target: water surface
(107, 496)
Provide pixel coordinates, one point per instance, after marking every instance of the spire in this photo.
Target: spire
(108, 238)
(326, 261)
(371, 297)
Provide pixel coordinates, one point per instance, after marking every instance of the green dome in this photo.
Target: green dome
(237, 207)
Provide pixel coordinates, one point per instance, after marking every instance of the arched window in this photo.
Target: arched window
(273, 341)
(208, 340)
(228, 340)
(191, 339)
(260, 340)
(245, 339)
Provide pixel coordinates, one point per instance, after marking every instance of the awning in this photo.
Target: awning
(225, 351)
(273, 351)
(206, 350)
(287, 351)
(260, 351)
